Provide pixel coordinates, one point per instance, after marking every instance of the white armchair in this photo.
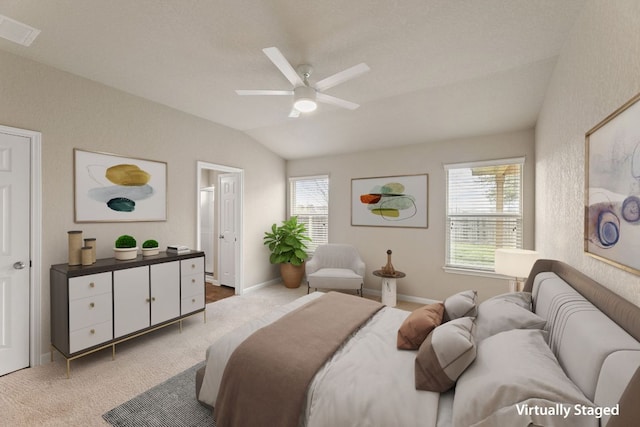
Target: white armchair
(335, 266)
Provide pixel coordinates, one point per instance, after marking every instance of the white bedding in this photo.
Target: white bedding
(368, 382)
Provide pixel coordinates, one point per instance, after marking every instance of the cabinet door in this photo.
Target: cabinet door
(165, 291)
(131, 302)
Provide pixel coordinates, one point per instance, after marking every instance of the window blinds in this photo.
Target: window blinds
(484, 211)
(309, 201)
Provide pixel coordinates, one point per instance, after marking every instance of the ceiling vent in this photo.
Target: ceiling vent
(17, 32)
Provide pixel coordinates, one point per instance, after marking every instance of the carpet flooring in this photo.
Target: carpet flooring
(43, 396)
(169, 404)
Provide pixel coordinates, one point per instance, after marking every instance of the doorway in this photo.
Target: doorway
(20, 181)
(219, 223)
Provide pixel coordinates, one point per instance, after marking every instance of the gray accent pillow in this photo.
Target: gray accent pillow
(462, 304)
(523, 299)
(444, 355)
(515, 372)
(502, 313)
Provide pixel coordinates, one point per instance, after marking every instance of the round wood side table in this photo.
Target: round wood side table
(389, 286)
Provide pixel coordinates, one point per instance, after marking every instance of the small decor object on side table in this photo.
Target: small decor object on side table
(125, 248)
(150, 248)
(389, 276)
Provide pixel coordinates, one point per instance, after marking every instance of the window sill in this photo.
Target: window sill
(480, 273)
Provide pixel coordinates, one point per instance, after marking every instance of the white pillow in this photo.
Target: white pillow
(515, 381)
(448, 350)
(503, 313)
(462, 304)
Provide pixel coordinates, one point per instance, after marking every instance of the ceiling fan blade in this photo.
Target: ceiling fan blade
(342, 76)
(263, 92)
(328, 99)
(294, 113)
(278, 59)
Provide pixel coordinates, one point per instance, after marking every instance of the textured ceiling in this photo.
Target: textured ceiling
(439, 69)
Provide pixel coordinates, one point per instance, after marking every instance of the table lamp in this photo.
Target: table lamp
(516, 263)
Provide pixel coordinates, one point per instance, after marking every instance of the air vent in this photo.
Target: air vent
(17, 32)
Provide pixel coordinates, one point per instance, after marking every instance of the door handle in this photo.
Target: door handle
(19, 265)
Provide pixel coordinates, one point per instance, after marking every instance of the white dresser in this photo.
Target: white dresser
(98, 306)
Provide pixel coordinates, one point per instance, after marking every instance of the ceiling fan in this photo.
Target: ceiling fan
(304, 94)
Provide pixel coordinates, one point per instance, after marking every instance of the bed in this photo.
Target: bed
(564, 352)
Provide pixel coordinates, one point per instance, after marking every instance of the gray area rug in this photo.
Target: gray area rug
(172, 403)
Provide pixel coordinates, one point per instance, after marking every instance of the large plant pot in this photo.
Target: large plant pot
(291, 274)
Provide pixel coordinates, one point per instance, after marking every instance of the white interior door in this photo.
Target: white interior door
(229, 189)
(15, 173)
(207, 228)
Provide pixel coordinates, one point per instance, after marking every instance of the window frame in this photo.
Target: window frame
(290, 208)
(471, 270)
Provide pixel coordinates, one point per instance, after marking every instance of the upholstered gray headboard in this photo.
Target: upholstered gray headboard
(591, 341)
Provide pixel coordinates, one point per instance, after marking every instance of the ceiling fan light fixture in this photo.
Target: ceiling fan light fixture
(304, 99)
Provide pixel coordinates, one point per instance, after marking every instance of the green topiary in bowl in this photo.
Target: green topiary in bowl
(125, 248)
(125, 241)
(150, 248)
(148, 244)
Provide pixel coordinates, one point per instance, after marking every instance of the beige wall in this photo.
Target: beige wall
(597, 72)
(418, 252)
(72, 112)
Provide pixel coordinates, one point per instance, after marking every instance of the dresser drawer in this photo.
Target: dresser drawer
(192, 266)
(192, 285)
(191, 304)
(91, 284)
(90, 336)
(89, 311)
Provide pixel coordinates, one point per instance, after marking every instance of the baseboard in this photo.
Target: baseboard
(262, 285)
(402, 297)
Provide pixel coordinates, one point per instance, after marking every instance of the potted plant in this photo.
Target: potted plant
(150, 247)
(125, 248)
(288, 248)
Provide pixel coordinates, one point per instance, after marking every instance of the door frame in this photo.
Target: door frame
(239, 261)
(35, 244)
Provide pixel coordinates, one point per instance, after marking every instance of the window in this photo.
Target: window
(484, 211)
(309, 201)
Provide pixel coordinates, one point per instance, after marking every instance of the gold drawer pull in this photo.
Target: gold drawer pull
(193, 280)
(193, 300)
(92, 285)
(153, 298)
(93, 331)
(148, 300)
(91, 305)
(193, 266)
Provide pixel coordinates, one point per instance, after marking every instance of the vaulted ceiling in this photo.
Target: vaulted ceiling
(440, 69)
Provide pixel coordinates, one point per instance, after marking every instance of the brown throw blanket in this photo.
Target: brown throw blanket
(266, 379)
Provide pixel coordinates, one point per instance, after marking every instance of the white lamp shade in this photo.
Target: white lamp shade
(304, 99)
(515, 262)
